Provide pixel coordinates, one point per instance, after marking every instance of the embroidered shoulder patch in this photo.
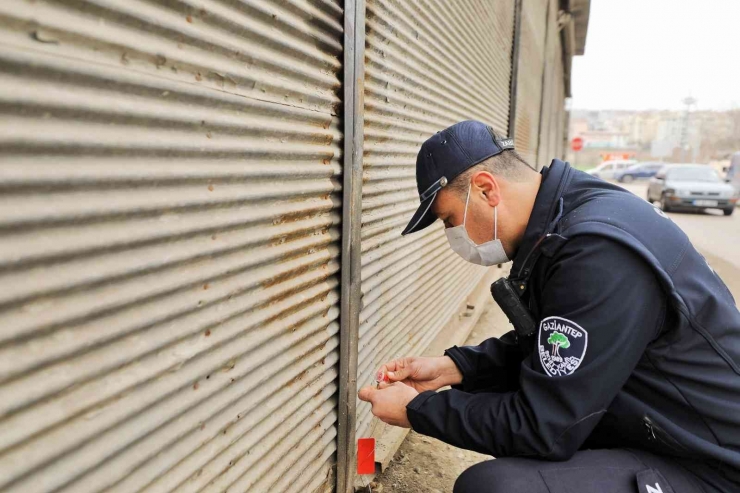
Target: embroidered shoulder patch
(562, 346)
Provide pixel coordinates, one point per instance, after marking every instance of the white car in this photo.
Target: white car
(607, 169)
(691, 186)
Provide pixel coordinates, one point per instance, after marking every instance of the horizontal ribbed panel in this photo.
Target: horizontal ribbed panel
(170, 207)
(429, 64)
(529, 77)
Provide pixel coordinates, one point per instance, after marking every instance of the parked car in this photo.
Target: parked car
(691, 186)
(637, 171)
(733, 173)
(607, 169)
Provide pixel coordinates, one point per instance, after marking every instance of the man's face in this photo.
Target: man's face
(449, 206)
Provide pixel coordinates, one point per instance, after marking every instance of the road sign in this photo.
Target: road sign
(576, 144)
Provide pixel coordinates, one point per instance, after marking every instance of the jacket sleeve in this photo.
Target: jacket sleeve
(491, 366)
(614, 298)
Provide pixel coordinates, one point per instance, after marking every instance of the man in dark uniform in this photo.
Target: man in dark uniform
(631, 381)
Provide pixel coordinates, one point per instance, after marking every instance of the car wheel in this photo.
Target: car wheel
(728, 212)
(664, 204)
(628, 178)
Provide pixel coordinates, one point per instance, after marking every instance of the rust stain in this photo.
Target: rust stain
(208, 332)
(198, 76)
(205, 287)
(189, 19)
(195, 386)
(297, 378)
(160, 60)
(210, 188)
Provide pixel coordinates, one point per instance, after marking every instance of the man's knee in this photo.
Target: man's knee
(499, 476)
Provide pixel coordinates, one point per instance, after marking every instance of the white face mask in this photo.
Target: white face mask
(488, 253)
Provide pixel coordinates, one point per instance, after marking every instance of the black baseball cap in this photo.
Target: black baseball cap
(445, 155)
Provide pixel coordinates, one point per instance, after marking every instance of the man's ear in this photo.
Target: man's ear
(486, 183)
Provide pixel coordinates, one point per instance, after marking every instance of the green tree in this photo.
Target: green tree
(558, 341)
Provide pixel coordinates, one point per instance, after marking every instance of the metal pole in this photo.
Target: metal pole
(685, 128)
(353, 80)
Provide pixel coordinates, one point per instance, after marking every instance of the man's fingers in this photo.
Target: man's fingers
(383, 385)
(400, 373)
(366, 394)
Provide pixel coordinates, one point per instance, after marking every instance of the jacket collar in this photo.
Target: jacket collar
(547, 206)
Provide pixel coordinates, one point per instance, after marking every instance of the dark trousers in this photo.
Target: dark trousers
(588, 471)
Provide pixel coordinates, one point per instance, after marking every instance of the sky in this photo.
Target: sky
(651, 54)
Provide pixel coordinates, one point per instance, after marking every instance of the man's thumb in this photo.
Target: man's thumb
(366, 394)
(398, 375)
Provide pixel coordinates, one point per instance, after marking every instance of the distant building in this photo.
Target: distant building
(665, 135)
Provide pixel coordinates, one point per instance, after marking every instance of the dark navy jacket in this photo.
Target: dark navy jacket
(638, 343)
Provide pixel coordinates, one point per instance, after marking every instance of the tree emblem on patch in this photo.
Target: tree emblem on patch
(562, 346)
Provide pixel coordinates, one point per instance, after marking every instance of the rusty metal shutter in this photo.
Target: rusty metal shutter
(530, 74)
(170, 216)
(429, 64)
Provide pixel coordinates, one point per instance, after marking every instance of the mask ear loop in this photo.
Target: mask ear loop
(467, 199)
(495, 223)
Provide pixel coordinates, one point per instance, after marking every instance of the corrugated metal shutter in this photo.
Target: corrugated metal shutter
(553, 94)
(428, 64)
(170, 218)
(548, 123)
(531, 66)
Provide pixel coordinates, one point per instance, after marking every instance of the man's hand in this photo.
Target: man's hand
(422, 373)
(389, 402)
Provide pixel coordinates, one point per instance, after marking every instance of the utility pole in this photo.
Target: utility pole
(689, 102)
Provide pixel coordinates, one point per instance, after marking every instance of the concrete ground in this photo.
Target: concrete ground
(426, 465)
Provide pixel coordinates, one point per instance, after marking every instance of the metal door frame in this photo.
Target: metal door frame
(354, 88)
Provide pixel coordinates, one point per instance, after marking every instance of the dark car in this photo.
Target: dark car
(637, 171)
(691, 186)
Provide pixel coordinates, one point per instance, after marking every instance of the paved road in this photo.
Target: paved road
(717, 237)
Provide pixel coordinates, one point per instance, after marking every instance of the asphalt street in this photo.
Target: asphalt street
(717, 237)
